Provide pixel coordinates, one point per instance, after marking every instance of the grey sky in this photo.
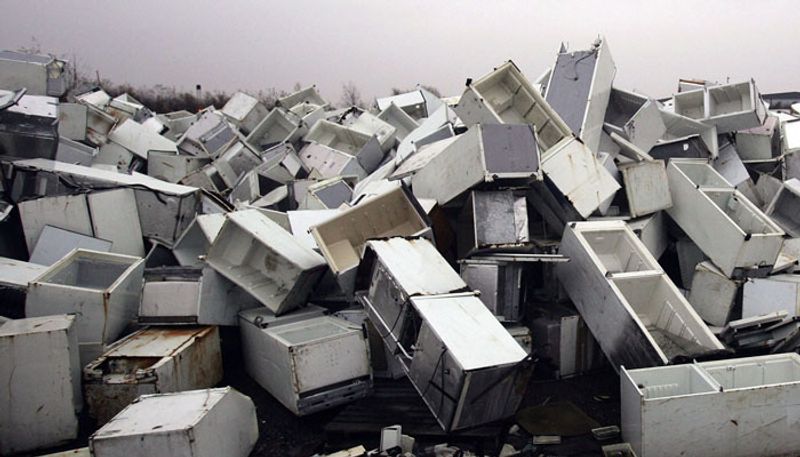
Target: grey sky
(383, 44)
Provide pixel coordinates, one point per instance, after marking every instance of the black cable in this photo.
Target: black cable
(430, 381)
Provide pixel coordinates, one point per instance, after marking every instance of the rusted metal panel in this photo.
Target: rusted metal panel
(152, 360)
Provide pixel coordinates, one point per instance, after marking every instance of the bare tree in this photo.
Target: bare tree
(34, 48)
(351, 96)
(431, 89)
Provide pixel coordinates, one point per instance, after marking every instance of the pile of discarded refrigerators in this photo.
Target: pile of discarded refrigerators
(458, 242)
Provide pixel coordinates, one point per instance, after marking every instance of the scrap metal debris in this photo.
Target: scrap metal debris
(456, 246)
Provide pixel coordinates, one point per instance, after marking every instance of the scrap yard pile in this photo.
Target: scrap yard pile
(466, 247)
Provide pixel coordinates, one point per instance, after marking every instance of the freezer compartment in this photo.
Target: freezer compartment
(364, 147)
(737, 236)
(399, 119)
(631, 306)
(671, 323)
(713, 408)
(329, 162)
(760, 143)
(468, 369)
(208, 136)
(310, 363)
(277, 127)
(506, 154)
(784, 208)
(579, 88)
(754, 372)
(341, 239)
(691, 104)
(369, 124)
(674, 381)
(613, 249)
(306, 95)
(187, 296)
(635, 117)
(244, 111)
(102, 289)
(735, 106)
(505, 96)
(194, 242)
(492, 218)
(235, 162)
(265, 260)
(398, 269)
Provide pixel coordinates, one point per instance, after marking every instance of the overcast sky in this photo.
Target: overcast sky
(380, 44)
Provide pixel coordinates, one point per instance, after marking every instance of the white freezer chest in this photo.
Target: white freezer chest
(181, 295)
(631, 306)
(399, 119)
(713, 295)
(505, 96)
(139, 139)
(773, 293)
(245, 111)
(306, 95)
(276, 127)
(579, 89)
(784, 208)
(164, 209)
(398, 269)
(262, 258)
(646, 187)
(728, 408)
(635, 117)
(733, 232)
(40, 375)
(196, 423)
(110, 215)
(196, 239)
(341, 239)
(729, 107)
(485, 153)
(102, 289)
(364, 147)
(468, 369)
(310, 362)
